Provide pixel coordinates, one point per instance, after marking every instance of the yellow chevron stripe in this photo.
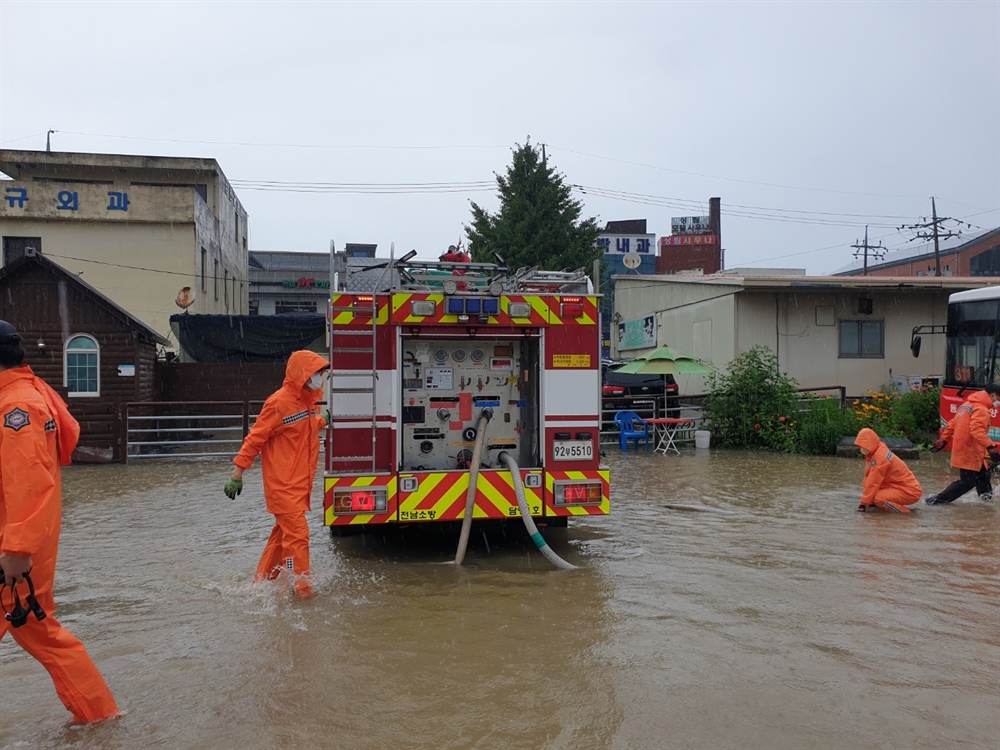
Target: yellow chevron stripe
(539, 305)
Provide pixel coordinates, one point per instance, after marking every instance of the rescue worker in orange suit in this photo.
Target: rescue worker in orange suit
(889, 484)
(286, 435)
(37, 435)
(969, 434)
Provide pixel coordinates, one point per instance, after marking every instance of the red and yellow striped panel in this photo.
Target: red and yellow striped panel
(344, 316)
(440, 496)
(332, 519)
(551, 509)
(545, 310)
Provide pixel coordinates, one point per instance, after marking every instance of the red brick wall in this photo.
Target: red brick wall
(688, 257)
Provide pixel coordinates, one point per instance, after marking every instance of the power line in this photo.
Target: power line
(729, 179)
(253, 144)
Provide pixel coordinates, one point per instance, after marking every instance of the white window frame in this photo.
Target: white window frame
(96, 352)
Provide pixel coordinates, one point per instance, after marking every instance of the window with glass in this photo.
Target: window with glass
(973, 355)
(862, 338)
(82, 366)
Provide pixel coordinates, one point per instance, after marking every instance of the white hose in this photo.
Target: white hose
(529, 524)
(470, 496)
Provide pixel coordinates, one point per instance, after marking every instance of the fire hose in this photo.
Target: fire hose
(470, 497)
(529, 524)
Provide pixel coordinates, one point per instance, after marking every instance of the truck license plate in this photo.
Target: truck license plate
(572, 450)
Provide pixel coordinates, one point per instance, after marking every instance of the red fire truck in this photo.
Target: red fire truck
(417, 362)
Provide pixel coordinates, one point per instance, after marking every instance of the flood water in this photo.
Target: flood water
(795, 622)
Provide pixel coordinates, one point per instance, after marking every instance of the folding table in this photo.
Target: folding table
(666, 431)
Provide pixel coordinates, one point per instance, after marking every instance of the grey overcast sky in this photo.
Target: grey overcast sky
(808, 119)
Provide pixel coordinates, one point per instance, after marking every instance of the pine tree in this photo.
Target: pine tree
(538, 223)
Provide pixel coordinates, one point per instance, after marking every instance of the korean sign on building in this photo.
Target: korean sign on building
(687, 239)
(620, 244)
(41, 200)
(638, 333)
(689, 225)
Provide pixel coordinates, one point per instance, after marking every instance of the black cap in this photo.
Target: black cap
(8, 334)
(993, 388)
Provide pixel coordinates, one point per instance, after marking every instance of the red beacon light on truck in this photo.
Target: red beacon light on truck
(571, 307)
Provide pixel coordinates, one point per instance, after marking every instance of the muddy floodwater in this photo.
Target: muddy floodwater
(792, 622)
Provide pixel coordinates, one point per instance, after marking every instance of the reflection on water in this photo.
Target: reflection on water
(794, 622)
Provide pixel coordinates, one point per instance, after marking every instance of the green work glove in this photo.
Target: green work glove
(326, 416)
(233, 488)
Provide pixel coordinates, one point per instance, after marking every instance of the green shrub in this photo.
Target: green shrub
(752, 405)
(823, 424)
(919, 414)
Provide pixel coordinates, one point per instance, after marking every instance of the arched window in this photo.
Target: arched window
(82, 362)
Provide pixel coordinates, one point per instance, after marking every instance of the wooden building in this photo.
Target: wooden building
(94, 353)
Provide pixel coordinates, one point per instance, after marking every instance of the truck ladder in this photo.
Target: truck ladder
(354, 342)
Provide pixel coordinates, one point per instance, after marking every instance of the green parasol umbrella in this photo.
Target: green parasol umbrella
(666, 361)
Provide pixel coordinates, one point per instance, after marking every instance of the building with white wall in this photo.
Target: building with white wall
(149, 232)
(826, 331)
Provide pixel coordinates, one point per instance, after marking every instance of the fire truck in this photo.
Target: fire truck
(443, 362)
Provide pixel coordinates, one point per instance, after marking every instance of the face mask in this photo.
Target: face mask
(315, 382)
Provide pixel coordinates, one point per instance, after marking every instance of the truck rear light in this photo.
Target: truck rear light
(364, 306)
(423, 308)
(354, 500)
(577, 493)
(571, 310)
(613, 390)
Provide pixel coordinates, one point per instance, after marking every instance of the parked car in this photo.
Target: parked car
(636, 392)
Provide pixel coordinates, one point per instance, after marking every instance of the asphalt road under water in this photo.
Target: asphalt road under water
(794, 622)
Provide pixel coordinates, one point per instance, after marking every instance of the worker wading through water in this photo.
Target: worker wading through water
(889, 484)
(286, 435)
(37, 436)
(969, 435)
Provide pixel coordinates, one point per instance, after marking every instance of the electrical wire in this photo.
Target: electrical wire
(728, 179)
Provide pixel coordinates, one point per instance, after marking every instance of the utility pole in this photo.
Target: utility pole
(48, 141)
(877, 251)
(931, 230)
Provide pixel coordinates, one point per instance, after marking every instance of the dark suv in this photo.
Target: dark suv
(621, 390)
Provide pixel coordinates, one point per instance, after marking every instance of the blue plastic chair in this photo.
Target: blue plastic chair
(630, 425)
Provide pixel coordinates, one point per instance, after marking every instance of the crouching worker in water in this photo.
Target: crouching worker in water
(889, 484)
(37, 436)
(286, 435)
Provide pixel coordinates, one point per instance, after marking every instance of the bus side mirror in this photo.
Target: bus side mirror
(915, 346)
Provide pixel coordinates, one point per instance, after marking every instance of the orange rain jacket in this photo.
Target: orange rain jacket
(969, 432)
(37, 435)
(286, 435)
(883, 470)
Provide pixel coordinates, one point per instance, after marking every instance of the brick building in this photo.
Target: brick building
(979, 256)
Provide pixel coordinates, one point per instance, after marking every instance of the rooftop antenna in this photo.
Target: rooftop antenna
(48, 141)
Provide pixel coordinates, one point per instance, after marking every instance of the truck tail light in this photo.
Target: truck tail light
(571, 307)
(359, 500)
(577, 493)
(364, 306)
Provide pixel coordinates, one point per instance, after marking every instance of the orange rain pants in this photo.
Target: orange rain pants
(286, 436)
(887, 477)
(33, 434)
(287, 549)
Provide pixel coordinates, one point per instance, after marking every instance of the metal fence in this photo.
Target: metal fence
(188, 429)
(690, 407)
